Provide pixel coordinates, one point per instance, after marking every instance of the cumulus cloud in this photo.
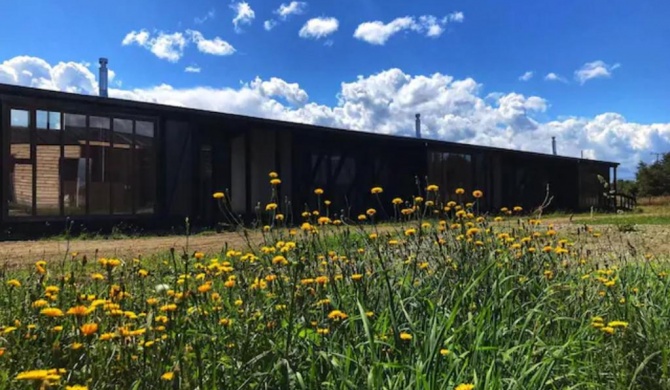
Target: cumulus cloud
(317, 28)
(243, 14)
(215, 46)
(292, 8)
(526, 76)
(451, 109)
(171, 46)
(594, 70)
(163, 45)
(284, 11)
(555, 77)
(378, 32)
(210, 15)
(269, 24)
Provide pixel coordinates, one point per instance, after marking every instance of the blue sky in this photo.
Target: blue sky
(491, 42)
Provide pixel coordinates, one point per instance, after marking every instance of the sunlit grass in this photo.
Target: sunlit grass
(438, 300)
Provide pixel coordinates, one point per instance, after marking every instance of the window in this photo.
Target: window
(19, 118)
(121, 162)
(74, 164)
(48, 120)
(145, 166)
(20, 201)
(47, 162)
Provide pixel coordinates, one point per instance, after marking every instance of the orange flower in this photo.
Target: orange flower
(89, 329)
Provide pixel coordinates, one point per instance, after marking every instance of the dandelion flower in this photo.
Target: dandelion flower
(405, 336)
(217, 195)
(465, 386)
(376, 190)
(168, 376)
(89, 329)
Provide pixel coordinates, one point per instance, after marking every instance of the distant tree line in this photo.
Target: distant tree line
(650, 179)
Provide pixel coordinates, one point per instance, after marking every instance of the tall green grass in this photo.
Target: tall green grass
(436, 307)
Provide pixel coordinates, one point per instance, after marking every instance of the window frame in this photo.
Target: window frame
(62, 109)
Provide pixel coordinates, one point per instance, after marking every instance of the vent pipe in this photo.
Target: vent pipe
(418, 126)
(102, 79)
(553, 145)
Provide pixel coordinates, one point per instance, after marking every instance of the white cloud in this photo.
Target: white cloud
(243, 14)
(385, 102)
(171, 46)
(554, 77)
(269, 24)
(210, 15)
(192, 69)
(292, 8)
(526, 76)
(594, 70)
(215, 46)
(317, 28)
(378, 32)
(164, 46)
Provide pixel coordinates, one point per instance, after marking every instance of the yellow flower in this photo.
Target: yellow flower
(460, 191)
(432, 188)
(337, 315)
(14, 283)
(444, 352)
(275, 182)
(318, 191)
(410, 232)
(465, 386)
(79, 311)
(324, 221)
(168, 376)
(477, 194)
(322, 331)
(40, 303)
(225, 322)
(218, 195)
(321, 280)
(76, 387)
(608, 329)
(371, 212)
(518, 209)
(52, 312)
(356, 276)
(405, 336)
(376, 190)
(203, 288)
(271, 207)
(107, 336)
(362, 217)
(396, 201)
(273, 175)
(618, 324)
(89, 329)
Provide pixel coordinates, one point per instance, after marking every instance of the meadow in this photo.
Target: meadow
(444, 298)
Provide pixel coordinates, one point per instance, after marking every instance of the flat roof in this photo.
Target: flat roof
(36, 93)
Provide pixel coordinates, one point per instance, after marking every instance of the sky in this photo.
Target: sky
(594, 74)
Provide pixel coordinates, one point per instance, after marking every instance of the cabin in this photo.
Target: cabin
(95, 162)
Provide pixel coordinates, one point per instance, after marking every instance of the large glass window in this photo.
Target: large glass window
(99, 138)
(121, 167)
(20, 202)
(75, 164)
(47, 161)
(145, 167)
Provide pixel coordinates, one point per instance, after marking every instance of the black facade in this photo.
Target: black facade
(100, 161)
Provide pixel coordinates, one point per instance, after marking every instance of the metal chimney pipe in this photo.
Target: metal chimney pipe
(553, 145)
(102, 82)
(418, 126)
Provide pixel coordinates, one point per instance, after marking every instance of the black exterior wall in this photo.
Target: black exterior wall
(198, 152)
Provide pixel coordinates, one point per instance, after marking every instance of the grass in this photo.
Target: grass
(438, 300)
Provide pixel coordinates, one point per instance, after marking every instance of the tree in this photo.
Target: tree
(654, 179)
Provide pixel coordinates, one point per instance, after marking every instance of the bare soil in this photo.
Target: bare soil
(646, 239)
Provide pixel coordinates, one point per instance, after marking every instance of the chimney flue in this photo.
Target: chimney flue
(418, 126)
(553, 145)
(102, 82)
